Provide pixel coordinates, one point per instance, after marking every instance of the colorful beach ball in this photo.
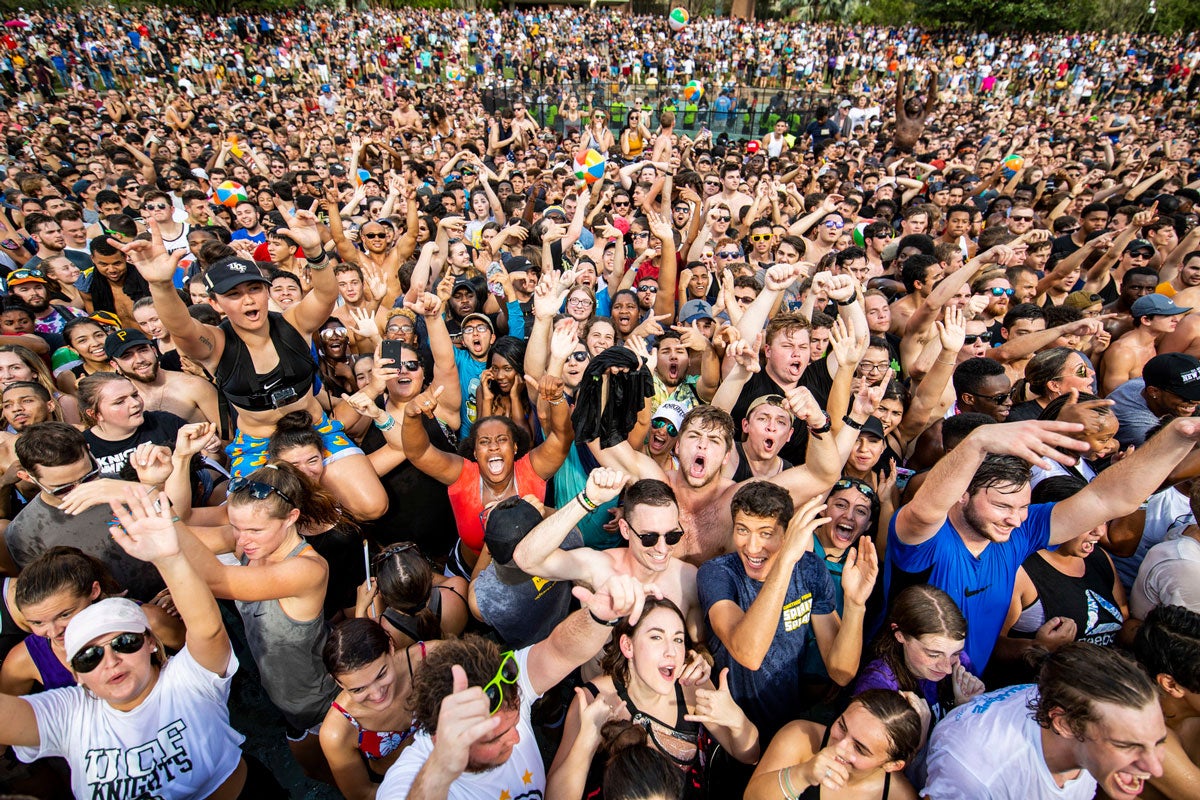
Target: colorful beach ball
(362, 177)
(230, 193)
(678, 19)
(693, 91)
(1013, 164)
(258, 80)
(453, 73)
(589, 166)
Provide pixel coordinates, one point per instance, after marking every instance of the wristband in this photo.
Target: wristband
(608, 623)
(386, 426)
(849, 302)
(586, 501)
(823, 429)
(858, 426)
(320, 263)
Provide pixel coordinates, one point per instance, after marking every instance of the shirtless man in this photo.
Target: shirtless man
(358, 305)
(704, 493)
(910, 114)
(1154, 317)
(651, 514)
(132, 354)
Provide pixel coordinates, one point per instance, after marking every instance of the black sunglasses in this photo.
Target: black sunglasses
(651, 539)
(854, 483)
(579, 355)
(408, 366)
(998, 399)
(259, 491)
(90, 657)
(59, 491)
(972, 338)
(508, 673)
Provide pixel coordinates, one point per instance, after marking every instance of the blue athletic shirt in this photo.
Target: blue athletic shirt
(981, 585)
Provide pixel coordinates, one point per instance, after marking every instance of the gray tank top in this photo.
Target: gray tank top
(288, 656)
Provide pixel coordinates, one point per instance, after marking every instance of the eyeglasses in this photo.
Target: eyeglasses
(259, 491)
(59, 491)
(399, 329)
(508, 673)
(972, 338)
(476, 329)
(729, 254)
(761, 237)
(996, 399)
(90, 657)
(659, 424)
(155, 207)
(380, 235)
(579, 302)
(650, 289)
(870, 368)
(854, 483)
(650, 539)
(579, 355)
(997, 291)
(329, 333)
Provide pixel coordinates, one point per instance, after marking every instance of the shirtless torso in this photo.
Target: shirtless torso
(705, 517)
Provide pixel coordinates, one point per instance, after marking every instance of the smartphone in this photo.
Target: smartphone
(902, 477)
(494, 286)
(393, 350)
(367, 559)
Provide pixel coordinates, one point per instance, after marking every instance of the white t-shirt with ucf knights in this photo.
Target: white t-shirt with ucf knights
(176, 745)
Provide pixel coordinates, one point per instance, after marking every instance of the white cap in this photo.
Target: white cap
(112, 615)
(672, 412)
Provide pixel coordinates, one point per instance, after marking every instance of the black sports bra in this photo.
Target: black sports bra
(287, 383)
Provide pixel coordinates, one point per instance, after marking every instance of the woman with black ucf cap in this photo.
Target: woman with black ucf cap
(261, 359)
(139, 723)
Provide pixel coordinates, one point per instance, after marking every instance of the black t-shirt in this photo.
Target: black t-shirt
(160, 427)
(761, 384)
(342, 549)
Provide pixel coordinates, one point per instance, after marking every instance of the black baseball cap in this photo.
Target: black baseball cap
(872, 427)
(228, 273)
(1177, 373)
(119, 342)
(507, 524)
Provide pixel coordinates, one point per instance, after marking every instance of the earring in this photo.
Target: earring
(153, 649)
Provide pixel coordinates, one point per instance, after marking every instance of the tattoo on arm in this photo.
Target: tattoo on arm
(207, 342)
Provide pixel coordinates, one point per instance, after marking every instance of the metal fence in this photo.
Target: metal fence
(753, 112)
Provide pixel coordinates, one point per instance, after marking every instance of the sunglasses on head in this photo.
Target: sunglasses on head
(90, 657)
(508, 673)
(392, 550)
(998, 291)
(259, 491)
(659, 424)
(650, 539)
(854, 483)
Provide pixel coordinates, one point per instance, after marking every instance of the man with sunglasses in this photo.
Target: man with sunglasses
(54, 458)
(649, 523)
(473, 704)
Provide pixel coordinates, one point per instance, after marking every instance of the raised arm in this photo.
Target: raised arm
(548, 456)
(310, 313)
(539, 552)
(1035, 441)
(151, 535)
(438, 464)
(1119, 490)
(151, 259)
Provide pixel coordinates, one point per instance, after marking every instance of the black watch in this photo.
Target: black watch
(858, 426)
(823, 429)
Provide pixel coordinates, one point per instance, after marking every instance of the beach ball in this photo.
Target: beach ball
(453, 73)
(362, 177)
(589, 166)
(678, 19)
(258, 80)
(693, 91)
(1012, 164)
(230, 193)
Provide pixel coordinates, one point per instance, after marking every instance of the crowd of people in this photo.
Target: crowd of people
(848, 455)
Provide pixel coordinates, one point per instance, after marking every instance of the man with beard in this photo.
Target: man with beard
(30, 286)
(25, 403)
(132, 354)
(971, 525)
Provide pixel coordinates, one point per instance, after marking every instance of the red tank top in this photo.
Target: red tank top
(466, 498)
